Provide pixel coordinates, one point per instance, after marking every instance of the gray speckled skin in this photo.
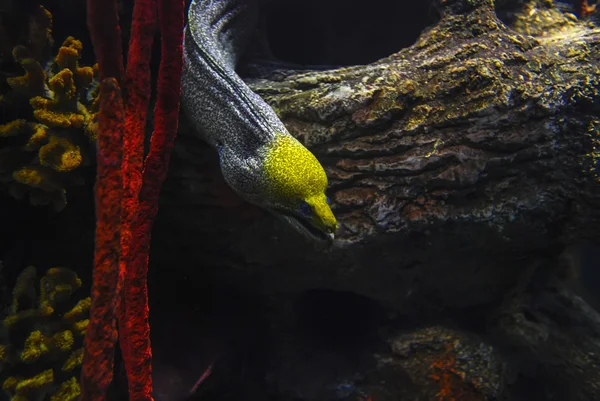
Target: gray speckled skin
(220, 105)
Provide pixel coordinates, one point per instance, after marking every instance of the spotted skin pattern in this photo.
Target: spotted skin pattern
(259, 158)
(294, 175)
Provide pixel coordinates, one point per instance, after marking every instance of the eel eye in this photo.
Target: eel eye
(305, 209)
(220, 149)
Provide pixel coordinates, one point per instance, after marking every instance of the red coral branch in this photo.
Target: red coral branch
(123, 235)
(143, 28)
(166, 118)
(166, 111)
(97, 370)
(103, 22)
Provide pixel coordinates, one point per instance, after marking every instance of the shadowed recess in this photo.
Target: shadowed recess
(337, 32)
(339, 319)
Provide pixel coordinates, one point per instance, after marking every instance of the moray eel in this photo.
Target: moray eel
(259, 158)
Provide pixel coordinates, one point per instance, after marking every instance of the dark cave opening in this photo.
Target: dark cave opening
(201, 325)
(336, 33)
(338, 319)
(199, 322)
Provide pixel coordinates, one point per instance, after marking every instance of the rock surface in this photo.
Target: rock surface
(453, 164)
(460, 167)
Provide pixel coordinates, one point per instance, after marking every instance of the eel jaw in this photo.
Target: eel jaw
(305, 227)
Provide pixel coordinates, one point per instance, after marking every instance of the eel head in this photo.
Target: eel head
(295, 185)
(286, 179)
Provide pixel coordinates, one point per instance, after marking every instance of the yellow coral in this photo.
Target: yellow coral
(45, 310)
(13, 128)
(10, 384)
(57, 285)
(12, 320)
(37, 381)
(67, 57)
(63, 340)
(38, 177)
(37, 134)
(36, 346)
(81, 326)
(68, 391)
(56, 330)
(33, 83)
(82, 307)
(61, 154)
(23, 297)
(38, 137)
(61, 110)
(74, 360)
(24, 287)
(63, 123)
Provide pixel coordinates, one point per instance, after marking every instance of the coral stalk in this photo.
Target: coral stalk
(101, 336)
(121, 263)
(103, 22)
(166, 118)
(100, 339)
(137, 81)
(166, 111)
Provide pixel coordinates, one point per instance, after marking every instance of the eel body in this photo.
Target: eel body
(259, 159)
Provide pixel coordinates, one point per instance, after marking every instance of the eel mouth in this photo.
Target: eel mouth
(305, 227)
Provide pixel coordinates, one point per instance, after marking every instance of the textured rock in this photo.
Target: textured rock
(453, 164)
(459, 167)
(554, 335)
(424, 364)
(447, 363)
